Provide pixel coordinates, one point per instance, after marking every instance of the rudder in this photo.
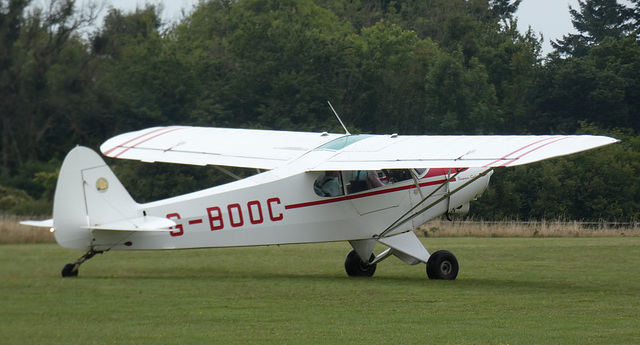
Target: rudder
(87, 194)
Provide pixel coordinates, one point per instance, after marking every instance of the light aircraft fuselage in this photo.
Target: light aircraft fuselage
(315, 187)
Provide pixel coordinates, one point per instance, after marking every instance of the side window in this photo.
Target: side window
(361, 180)
(329, 184)
(332, 183)
(397, 175)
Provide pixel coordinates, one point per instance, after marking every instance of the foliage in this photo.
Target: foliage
(150, 182)
(46, 82)
(411, 67)
(597, 185)
(18, 202)
(381, 97)
(602, 87)
(27, 178)
(10, 198)
(595, 21)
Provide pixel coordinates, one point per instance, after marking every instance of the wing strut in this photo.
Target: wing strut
(229, 173)
(409, 216)
(449, 199)
(416, 182)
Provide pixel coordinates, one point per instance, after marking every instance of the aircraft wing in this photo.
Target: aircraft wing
(247, 148)
(267, 149)
(404, 152)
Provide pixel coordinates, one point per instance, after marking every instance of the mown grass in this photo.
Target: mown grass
(509, 291)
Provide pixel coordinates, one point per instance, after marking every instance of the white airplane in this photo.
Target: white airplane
(315, 187)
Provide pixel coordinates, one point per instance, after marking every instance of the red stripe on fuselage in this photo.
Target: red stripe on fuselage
(362, 195)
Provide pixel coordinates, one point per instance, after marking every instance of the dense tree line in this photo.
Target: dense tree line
(410, 66)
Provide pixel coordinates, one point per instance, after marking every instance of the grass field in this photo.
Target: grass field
(509, 291)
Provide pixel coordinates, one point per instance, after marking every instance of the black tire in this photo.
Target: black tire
(67, 271)
(355, 267)
(442, 265)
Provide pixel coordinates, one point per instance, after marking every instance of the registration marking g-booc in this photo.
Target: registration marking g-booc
(237, 215)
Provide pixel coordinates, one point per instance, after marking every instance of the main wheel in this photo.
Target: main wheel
(355, 267)
(442, 265)
(67, 271)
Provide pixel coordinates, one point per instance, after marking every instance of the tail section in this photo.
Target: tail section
(88, 196)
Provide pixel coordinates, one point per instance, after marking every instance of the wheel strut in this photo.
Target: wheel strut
(71, 270)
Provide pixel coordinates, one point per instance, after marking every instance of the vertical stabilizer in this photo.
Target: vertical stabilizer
(87, 194)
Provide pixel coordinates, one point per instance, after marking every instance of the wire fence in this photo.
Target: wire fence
(544, 228)
(567, 224)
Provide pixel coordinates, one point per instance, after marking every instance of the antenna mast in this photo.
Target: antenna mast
(343, 126)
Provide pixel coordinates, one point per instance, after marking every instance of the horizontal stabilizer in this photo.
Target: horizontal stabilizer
(47, 223)
(146, 223)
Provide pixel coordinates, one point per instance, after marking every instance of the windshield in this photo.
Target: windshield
(343, 142)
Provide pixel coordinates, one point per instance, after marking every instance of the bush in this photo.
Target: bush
(18, 202)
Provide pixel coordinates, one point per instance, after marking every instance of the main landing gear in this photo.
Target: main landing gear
(71, 270)
(355, 267)
(442, 265)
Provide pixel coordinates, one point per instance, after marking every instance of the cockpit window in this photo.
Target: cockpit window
(329, 184)
(397, 175)
(361, 180)
(334, 183)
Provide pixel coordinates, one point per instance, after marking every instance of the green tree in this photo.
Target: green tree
(636, 18)
(120, 30)
(595, 20)
(591, 186)
(201, 42)
(459, 97)
(143, 77)
(270, 64)
(504, 9)
(47, 91)
(601, 87)
(387, 91)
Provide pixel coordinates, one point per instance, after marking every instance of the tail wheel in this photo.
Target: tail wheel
(355, 267)
(442, 265)
(69, 270)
